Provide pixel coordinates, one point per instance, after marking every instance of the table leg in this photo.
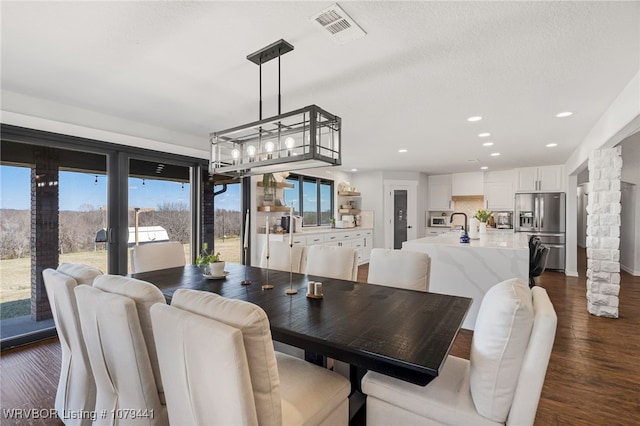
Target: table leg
(357, 399)
(315, 358)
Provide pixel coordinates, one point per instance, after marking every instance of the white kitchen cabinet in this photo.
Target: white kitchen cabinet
(440, 192)
(498, 190)
(368, 245)
(361, 240)
(498, 196)
(540, 179)
(467, 184)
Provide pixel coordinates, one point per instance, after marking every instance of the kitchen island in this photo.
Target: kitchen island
(471, 269)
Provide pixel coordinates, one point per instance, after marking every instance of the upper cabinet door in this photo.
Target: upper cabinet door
(540, 179)
(440, 192)
(527, 180)
(498, 196)
(467, 183)
(550, 178)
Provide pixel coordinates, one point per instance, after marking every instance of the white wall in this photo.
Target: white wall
(630, 216)
(370, 186)
(621, 120)
(423, 203)
(83, 123)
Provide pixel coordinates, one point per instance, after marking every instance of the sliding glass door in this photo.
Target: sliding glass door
(67, 199)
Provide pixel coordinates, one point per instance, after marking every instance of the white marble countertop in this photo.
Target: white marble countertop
(496, 240)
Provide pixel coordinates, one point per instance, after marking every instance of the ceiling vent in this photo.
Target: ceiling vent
(340, 26)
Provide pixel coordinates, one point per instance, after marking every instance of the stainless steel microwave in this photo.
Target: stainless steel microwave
(439, 221)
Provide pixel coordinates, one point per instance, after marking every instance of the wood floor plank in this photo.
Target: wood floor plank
(593, 376)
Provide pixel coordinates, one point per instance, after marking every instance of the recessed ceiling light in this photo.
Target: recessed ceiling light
(474, 118)
(564, 114)
(487, 144)
(402, 150)
(354, 170)
(483, 168)
(484, 135)
(495, 154)
(551, 145)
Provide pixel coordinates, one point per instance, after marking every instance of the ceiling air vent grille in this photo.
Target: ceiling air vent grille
(338, 24)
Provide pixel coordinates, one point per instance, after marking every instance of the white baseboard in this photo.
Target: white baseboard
(571, 273)
(630, 271)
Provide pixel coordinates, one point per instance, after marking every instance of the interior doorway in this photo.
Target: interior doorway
(400, 213)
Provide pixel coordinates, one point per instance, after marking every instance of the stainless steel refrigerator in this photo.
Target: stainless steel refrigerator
(543, 215)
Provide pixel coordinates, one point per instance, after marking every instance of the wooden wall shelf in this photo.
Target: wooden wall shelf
(278, 184)
(349, 193)
(349, 211)
(281, 209)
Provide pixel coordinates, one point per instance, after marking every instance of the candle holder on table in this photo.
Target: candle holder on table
(267, 286)
(291, 290)
(246, 281)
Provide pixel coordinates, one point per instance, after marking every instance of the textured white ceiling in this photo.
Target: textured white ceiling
(175, 71)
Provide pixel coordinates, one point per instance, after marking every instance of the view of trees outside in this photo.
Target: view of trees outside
(79, 223)
(227, 220)
(315, 193)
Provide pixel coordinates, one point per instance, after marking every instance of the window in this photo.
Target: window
(311, 198)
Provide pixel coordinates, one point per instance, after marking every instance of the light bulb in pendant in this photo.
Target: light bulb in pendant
(235, 154)
(289, 143)
(269, 148)
(251, 151)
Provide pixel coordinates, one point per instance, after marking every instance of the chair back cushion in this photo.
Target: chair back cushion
(144, 295)
(118, 354)
(332, 262)
(279, 256)
(83, 274)
(536, 360)
(256, 334)
(76, 387)
(500, 340)
(399, 268)
(155, 256)
(204, 368)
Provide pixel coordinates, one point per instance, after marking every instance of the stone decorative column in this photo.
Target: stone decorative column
(603, 232)
(44, 227)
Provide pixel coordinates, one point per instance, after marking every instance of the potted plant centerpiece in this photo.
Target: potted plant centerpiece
(211, 264)
(483, 215)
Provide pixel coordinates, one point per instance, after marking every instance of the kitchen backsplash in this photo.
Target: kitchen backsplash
(469, 207)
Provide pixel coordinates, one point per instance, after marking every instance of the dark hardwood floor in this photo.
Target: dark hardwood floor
(593, 376)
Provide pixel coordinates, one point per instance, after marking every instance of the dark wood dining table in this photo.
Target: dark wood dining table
(402, 333)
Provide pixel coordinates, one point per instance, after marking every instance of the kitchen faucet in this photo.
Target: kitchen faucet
(465, 237)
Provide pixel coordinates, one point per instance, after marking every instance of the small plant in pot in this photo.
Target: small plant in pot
(211, 264)
(483, 215)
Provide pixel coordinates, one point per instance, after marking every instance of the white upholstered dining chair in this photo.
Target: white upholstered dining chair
(76, 388)
(279, 256)
(500, 384)
(400, 268)
(155, 256)
(116, 326)
(332, 262)
(265, 387)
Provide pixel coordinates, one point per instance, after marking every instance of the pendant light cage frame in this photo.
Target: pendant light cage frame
(309, 137)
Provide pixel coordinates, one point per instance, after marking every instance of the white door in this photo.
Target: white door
(400, 213)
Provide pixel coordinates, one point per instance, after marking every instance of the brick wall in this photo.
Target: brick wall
(44, 228)
(603, 232)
